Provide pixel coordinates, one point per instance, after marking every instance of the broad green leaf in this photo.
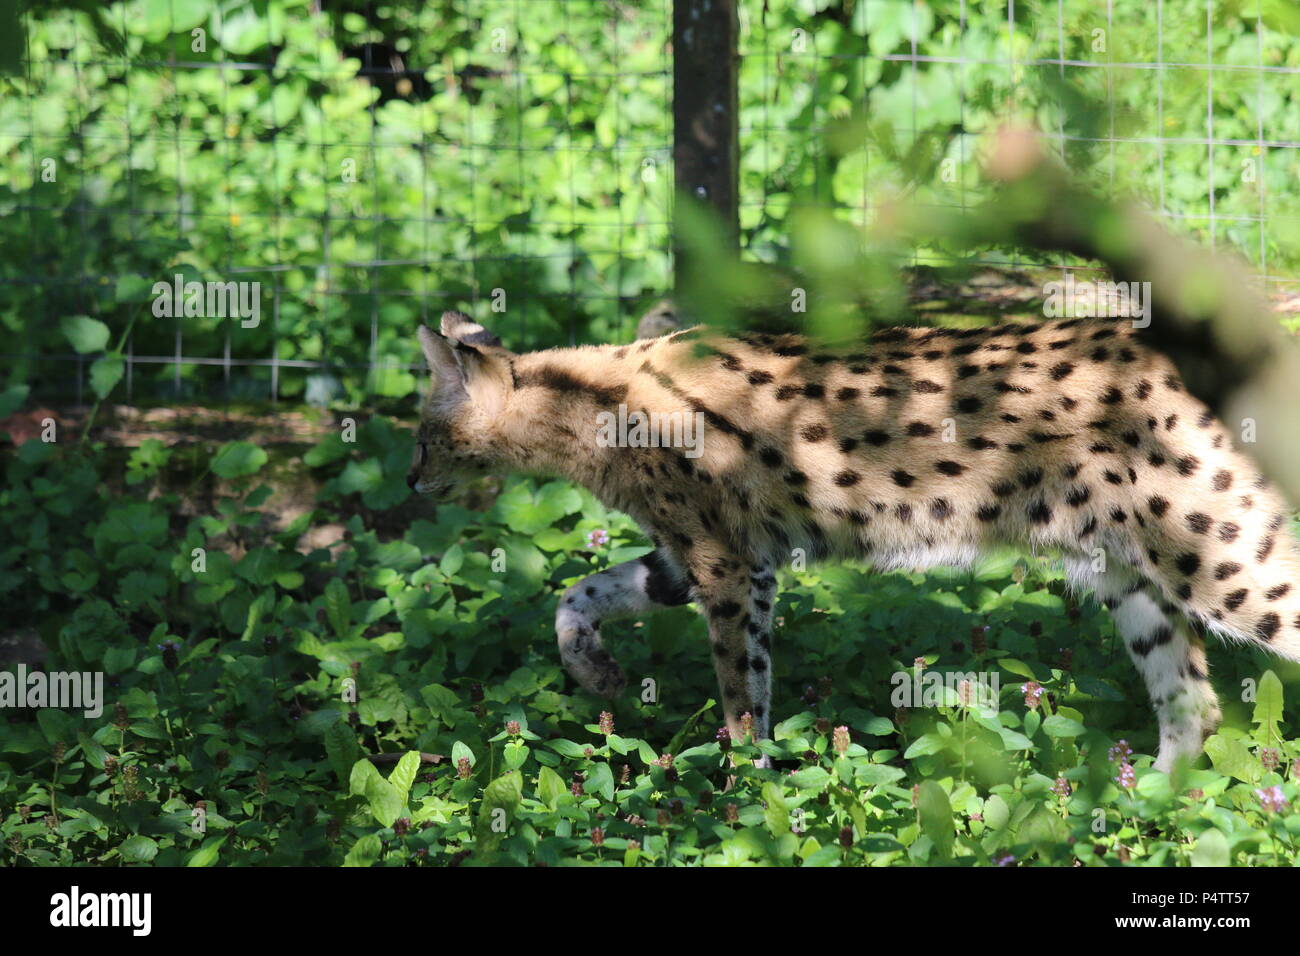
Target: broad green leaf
(1058, 726)
(138, 849)
(207, 854)
(105, 373)
(1268, 709)
(500, 799)
(365, 852)
(550, 787)
(403, 774)
(1231, 756)
(238, 459)
(341, 747)
(338, 606)
(776, 815)
(86, 334)
(1212, 849)
(936, 817)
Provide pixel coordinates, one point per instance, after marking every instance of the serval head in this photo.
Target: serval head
(470, 384)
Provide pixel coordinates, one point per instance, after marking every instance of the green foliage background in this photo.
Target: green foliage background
(524, 147)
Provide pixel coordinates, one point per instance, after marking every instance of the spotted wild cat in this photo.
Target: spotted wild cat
(923, 446)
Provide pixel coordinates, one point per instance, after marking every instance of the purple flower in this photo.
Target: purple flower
(1127, 776)
(597, 538)
(1032, 691)
(1271, 799)
(1008, 860)
(1121, 752)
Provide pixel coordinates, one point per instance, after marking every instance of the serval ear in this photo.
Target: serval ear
(459, 326)
(461, 370)
(438, 354)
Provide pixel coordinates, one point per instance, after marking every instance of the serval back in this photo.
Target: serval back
(923, 446)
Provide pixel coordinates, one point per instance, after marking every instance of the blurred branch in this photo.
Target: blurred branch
(1206, 312)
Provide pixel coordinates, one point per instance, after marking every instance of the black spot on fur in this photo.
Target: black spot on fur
(1199, 523)
(1157, 505)
(948, 467)
(902, 478)
(1268, 625)
(1188, 564)
(1226, 570)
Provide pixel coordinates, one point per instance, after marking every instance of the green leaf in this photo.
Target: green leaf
(86, 334)
(814, 778)
(238, 459)
(1231, 756)
(207, 854)
(1058, 726)
(138, 849)
(403, 774)
(936, 817)
(93, 751)
(1268, 709)
(996, 812)
(365, 852)
(1212, 849)
(385, 802)
(675, 745)
(923, 746)
(550, 787)
(500, 799)
(338, 606)
(341, 747)
(776, 815)
(105, 373)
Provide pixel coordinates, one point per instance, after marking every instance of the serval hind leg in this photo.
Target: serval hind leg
(1168, 655)
(649, 583)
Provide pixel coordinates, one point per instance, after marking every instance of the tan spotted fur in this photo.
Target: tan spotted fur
(921, 447)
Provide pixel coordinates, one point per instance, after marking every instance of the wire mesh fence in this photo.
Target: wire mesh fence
(369, 165)
(1186, 104)
(366, 168)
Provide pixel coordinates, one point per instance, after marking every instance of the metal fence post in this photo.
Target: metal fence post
(705, 109)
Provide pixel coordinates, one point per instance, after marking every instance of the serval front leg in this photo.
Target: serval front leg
(737, 598)
(646, 584)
